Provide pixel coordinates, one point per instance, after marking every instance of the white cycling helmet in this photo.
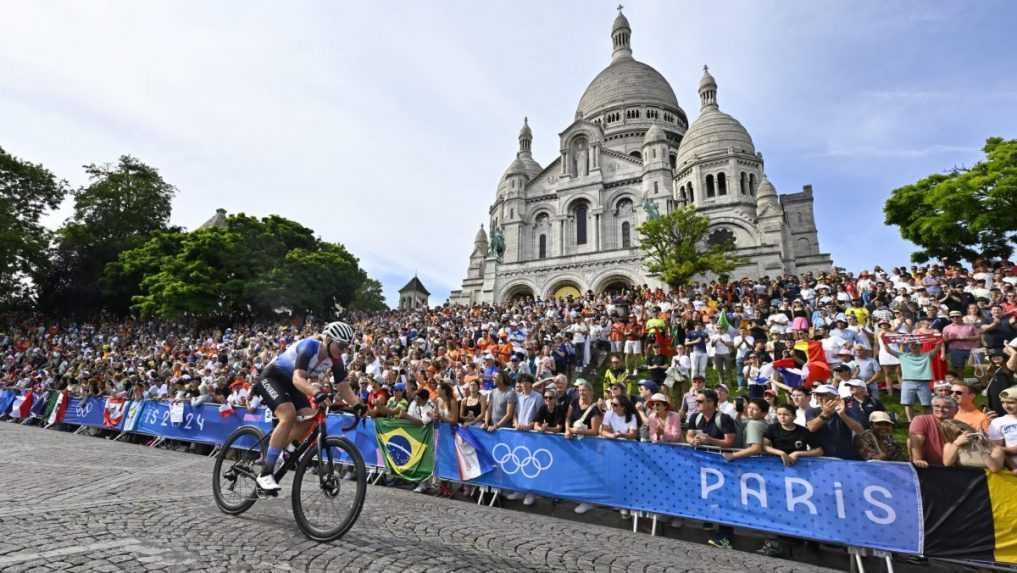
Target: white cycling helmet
(339, 331)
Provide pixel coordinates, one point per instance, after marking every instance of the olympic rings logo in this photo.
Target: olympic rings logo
(520, 460)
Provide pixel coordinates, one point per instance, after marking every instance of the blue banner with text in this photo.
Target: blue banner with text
(867, 504)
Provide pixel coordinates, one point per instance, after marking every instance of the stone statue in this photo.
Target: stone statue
(497, 248)
(650, 206)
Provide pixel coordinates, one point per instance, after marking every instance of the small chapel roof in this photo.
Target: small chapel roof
(414, 286)
(217, 220)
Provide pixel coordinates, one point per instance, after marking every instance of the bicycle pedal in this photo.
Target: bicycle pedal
(265, 493)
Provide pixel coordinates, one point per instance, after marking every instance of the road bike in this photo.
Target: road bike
(329, 483)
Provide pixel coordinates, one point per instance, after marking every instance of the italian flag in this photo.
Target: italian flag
(56, 407)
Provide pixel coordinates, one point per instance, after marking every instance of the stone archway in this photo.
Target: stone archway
(615, 285)
(518, 292)
(565, 289)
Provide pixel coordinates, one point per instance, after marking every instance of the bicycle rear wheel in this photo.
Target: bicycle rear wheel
(326, 503)
(236, 468)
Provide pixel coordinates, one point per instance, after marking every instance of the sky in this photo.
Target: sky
(386, 125)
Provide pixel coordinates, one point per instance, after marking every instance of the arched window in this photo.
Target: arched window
(743, 184)
(542, 247)
(580, 213)
(752, 184)
(709, 187)
(674, 161)
(692, 194)
(636, 154)
(626, 235)
(721, 184)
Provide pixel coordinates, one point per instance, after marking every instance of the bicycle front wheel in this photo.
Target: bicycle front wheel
(329, 490)
(236, 468)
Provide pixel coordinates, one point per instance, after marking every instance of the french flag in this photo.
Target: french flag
(473, 460)
(792, 374)
(23, 405)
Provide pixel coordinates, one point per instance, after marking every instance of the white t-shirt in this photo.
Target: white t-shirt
(617, 423)
(1005, 429)
(728, 408)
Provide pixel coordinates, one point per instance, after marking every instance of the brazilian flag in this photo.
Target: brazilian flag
(407, 448)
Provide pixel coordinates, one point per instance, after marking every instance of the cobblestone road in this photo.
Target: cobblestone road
(77, 503)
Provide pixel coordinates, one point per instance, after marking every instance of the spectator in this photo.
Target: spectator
(723, 404)
(967, 411)
(528, 402)
(583, 419)
(398, 404)
(633, 332)
(1003, 430)
(619, 421)
(866, 368)
(1000, 375)
(860, 405)
(833, 427)
(421, 410)
(657, 364)
(473, 408)
(663, 424)
(551, 416)
(878, 443)
(755, 429)
(617, 374)
(743, 344)
(926, 433)
(964, 446)
(916, 375)
(695, 340)
(959, 339)
(690, 401)
(501, 404)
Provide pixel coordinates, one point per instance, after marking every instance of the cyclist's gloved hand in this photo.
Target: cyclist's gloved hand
(320, 397)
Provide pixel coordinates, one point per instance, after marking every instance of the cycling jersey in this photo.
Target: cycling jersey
(276, 386)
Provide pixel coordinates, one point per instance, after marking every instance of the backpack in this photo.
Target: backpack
(739, 427)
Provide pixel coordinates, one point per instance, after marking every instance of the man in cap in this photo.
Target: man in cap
(859, 404)
(831, 423)
(926, 433)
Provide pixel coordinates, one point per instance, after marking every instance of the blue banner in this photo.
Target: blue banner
(85, 412)
(867, 504)
(202, 424)
(363, 437)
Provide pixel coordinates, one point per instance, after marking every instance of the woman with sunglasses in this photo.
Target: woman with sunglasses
(619, 420)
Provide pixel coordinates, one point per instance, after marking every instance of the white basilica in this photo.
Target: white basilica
(571, 226)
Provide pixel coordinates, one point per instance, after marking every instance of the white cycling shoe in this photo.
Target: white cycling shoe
(267, 482)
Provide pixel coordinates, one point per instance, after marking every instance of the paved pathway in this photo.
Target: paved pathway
(77, 503)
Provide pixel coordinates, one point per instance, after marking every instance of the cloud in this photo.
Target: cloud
(866, 152)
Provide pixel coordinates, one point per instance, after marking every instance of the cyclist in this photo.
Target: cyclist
(287, 382)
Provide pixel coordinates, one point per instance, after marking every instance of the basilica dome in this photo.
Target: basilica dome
(713, 132)
(626, 81)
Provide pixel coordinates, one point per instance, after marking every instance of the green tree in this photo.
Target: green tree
(251, 268)
(676, 247)
(122, 206)
(964, 214)
(369, 297)
(27, 190)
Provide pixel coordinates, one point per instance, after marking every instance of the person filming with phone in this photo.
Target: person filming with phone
(832, 425)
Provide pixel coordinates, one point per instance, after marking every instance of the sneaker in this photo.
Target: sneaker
(513, 496)
(422, 488)
(583, 508)
(267, 482)
(720, 542)
(529, 499)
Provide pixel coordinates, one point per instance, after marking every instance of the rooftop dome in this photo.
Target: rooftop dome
(713, 132)
(625, 80)
(654, 134)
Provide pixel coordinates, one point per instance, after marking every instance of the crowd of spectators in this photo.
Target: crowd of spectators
(696, 366)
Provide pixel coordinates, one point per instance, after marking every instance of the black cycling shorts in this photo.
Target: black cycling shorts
(277, 389)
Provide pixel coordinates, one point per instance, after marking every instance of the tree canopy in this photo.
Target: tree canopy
(120, 208)
(676, 247)
(27, 190)
(964, 214)
(250, 268)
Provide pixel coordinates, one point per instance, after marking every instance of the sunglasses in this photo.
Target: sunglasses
(699, 401)
(959, 393)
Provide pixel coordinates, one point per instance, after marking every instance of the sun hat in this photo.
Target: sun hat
(658, 397)
(880, 416)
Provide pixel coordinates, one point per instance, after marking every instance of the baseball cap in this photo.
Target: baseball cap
(842, 368)
(582, 382)
(399, 387)
(854, 383)
(649, 385)
(1009, 394)
(880, 416)
(825, 389)
(954, 313)
(722, 387)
